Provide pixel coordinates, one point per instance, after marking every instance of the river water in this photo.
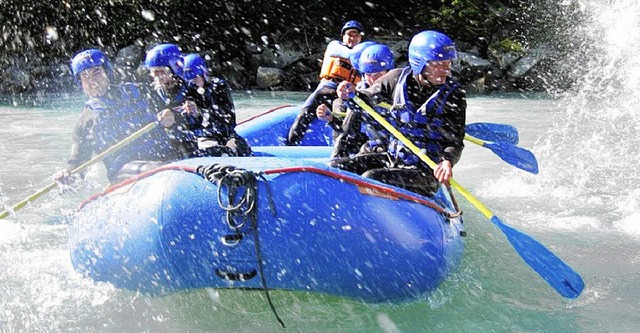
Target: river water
(584, 205)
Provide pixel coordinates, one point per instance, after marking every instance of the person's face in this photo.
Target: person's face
(351, 37)
(436, 72)
(162, 76)
(371, 78)
(94, 81)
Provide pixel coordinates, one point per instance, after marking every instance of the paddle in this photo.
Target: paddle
(514, 155)
(83, 166)
(485, 131)
(552, 269)
(506, 136)
(493, 132)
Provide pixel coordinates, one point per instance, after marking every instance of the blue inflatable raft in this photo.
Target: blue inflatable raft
(281, 220)
(272, 127)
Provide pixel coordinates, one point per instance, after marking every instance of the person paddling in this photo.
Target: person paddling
(166, 66)
(336, 67)
(373, 62)
(111, 113)
(428, 107)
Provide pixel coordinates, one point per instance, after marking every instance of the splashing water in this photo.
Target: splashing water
(588, 152)
(593, 147)
(601, 121)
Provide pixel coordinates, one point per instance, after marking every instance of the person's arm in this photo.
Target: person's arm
(223, 109)
(177, 128)
(81, 145)
(335, 114)
(382, 90)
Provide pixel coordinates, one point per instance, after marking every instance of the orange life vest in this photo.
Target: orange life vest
(336, 64)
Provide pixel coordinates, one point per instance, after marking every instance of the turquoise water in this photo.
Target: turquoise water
(595, 230)
(584, 205)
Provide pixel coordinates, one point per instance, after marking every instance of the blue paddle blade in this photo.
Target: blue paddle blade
(493, 132)
(514, 155)
(552, 269)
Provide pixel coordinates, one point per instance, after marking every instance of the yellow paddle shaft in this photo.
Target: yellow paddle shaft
(414, 149)
(81, 167)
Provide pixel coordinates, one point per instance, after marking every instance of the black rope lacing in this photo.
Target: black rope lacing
(458, 211)
(234, 180)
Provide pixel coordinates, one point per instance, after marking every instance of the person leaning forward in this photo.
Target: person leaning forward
(214, 106)
(111, 113)
(356, 130)
(428, 107)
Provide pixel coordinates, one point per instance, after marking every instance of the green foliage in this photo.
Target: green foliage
(508, 45)
(469, 21)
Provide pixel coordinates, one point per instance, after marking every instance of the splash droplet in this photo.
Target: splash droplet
(148, 15)
(52, 33)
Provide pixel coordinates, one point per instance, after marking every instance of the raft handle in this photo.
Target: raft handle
(236, 276)
(231, 240)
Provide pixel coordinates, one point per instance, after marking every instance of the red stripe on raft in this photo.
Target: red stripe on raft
(387, 192)
(131, 180)
(266, 112)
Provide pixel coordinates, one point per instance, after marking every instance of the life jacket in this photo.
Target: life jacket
(119, 115)
(421, 125)
(377, 135)
(336, 64)
(217, 122)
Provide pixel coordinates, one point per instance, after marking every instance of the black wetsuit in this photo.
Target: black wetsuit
(325, 95)
(218, 120)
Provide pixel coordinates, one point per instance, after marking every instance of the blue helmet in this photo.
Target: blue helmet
(194, 65)
(352, 25)
(89, 59)
(166, 55)
(356, 51)
(376, 58)
(429, 45)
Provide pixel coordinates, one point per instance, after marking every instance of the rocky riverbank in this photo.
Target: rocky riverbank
(283, 67)
(503, 46)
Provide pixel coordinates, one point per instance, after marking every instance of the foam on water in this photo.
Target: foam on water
(588, 157)
(585, 197)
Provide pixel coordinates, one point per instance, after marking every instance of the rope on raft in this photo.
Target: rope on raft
(235, 180)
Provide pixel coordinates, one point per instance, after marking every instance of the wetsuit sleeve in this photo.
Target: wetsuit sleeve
(82, 142)
(181, 132)
(453, 129)
(222, 110)
(307, 114)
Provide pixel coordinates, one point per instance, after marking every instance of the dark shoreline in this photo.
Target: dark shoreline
(505, 46)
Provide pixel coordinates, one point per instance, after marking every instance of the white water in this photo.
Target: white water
(39, 291)
(584, 205)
